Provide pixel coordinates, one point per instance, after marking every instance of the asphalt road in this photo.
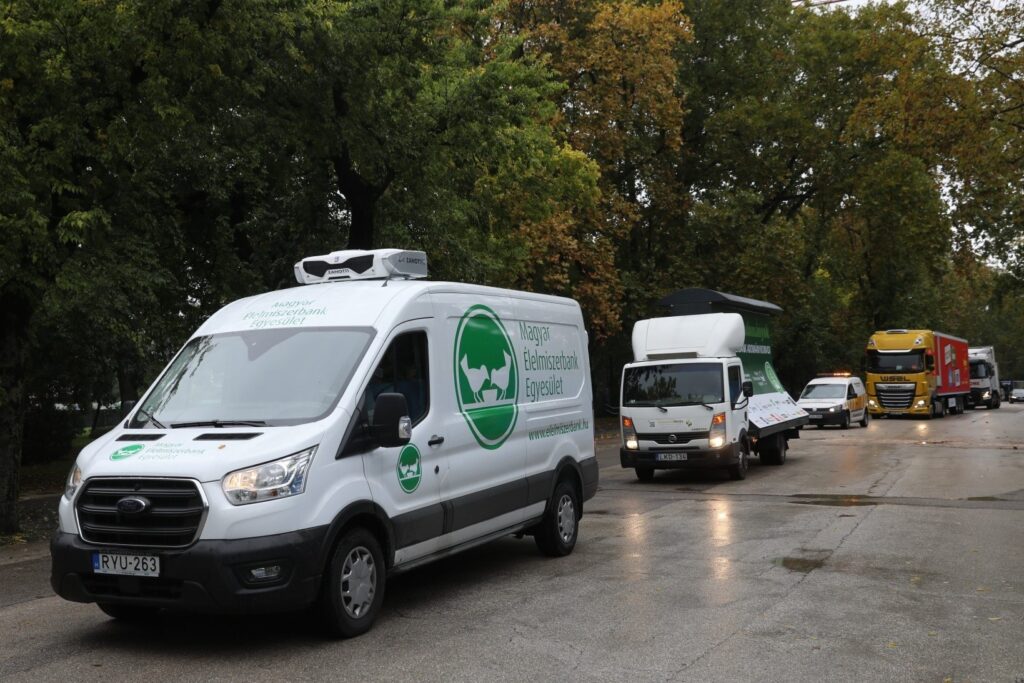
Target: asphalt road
(891, 553)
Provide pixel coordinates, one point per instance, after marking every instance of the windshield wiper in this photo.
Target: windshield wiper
(153, 420)
(220, 423)
(688, 403)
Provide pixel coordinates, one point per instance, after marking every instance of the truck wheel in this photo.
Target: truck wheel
(355, 580)
(644, 474)
(739, 470)
(845, 424)
(133, 614)
(776, 454)
(556, 534)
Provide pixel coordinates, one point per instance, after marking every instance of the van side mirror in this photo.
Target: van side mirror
(748, 388)
(392, 425)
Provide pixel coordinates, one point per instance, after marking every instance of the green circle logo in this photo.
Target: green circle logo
(486, 376)
(126, 451)
(773, 379)
(409, 470)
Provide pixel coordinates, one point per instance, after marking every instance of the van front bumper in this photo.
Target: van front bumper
(208, 576)
(695, 459)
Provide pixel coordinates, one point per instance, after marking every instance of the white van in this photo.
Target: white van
(835, 399)
(308, 442)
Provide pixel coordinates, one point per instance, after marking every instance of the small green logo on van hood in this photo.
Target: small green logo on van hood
(409, 468)
(486, 376)
(126, 451)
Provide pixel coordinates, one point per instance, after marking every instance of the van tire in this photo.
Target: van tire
(558, 530)
(132, 614)
(349, 606)
(644, 474)
(845, 424)
(865, 419)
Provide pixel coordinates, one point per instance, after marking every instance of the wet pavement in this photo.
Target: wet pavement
(894, 552)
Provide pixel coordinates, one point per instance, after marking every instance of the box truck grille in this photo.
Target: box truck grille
(895, 395)
(171, 519)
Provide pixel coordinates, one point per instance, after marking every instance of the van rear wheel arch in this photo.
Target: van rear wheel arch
(569, 469)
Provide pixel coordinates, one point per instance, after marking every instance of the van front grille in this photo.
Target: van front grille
(172, 513)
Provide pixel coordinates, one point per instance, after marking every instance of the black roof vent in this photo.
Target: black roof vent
(140, 437)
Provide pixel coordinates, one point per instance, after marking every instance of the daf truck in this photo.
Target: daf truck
(917, 372)
(985, 389)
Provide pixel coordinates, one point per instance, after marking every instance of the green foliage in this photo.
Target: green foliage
(860, 168)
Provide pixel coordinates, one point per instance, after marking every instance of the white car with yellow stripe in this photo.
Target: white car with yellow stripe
(835, 400)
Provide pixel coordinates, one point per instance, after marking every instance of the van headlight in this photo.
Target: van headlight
(832, 409)
(269, 481)
(716, 438)
(73, 482)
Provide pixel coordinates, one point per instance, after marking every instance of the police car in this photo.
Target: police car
(835, 399)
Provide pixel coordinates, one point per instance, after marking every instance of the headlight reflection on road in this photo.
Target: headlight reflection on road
(721, 537)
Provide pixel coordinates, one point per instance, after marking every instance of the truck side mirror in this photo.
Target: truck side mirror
(748, 388)
(391, 423)
(929, 363)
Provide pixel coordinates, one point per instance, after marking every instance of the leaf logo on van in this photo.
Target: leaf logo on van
(486, 376)
(409, 470)
(126, 451)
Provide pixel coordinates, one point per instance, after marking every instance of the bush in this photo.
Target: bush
(48, 434)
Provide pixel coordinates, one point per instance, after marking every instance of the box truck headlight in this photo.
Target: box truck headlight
(987, 394)
(629, 434)
(74, 481)
(716, 438)
(269, 481)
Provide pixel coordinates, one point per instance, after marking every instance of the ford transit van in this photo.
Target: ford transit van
(307, 443)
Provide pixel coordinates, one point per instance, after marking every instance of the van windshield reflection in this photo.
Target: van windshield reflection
(271, 377)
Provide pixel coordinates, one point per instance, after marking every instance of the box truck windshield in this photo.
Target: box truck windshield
(673, 385)
(283, 376)
(895, 362)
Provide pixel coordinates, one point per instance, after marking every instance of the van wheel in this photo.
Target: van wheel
(354, 588)
(845, 424)
(865, 419)
(556, 534)
(644, 473)
(133, 614)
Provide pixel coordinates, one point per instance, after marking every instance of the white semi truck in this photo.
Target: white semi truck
(985, 388)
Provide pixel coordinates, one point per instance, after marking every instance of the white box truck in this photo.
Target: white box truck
(985, 388)
(684, 398)
(306, 443)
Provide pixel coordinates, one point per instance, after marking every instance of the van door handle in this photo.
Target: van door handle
(435, 440)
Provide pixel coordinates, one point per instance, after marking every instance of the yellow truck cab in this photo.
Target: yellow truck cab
(916, 372)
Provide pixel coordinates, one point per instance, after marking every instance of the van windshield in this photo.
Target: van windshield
(824, 391)
(673, 385)
(282, 376)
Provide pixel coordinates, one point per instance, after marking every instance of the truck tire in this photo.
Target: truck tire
(738, 471)
(353, 584)
(644, 474)
(556, 534)
(776, 453)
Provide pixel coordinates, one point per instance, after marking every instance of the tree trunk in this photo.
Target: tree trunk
(13, 333)
(361, 195)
